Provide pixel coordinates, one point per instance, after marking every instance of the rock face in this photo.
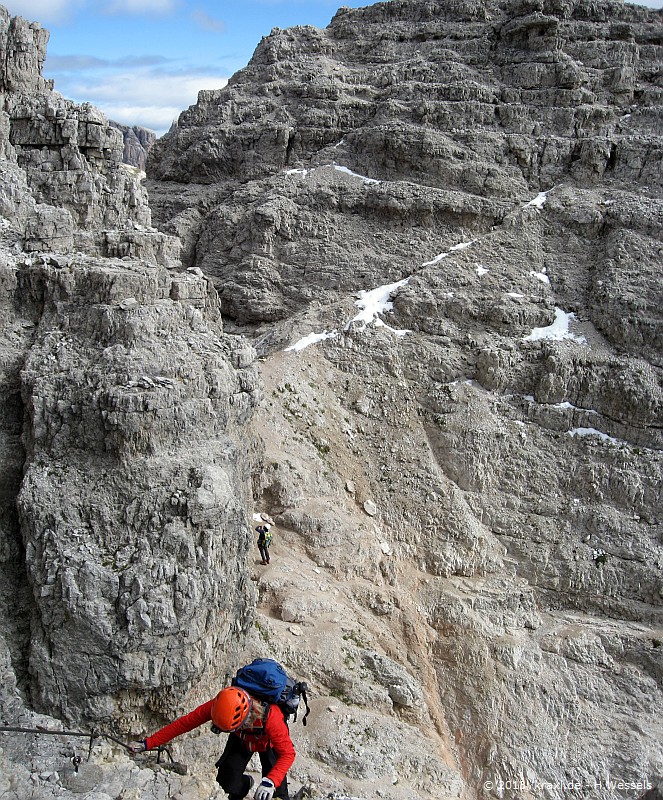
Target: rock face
(126, 458)
(137, 143)
(478, 459)
(449, 120)
(440, 227)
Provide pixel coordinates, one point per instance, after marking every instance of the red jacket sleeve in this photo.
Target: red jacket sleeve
(279, 739)
(181, 725)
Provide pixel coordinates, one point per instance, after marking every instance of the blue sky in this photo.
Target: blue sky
(142, 62)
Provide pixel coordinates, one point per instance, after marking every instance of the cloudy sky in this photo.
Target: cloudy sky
(142, 62)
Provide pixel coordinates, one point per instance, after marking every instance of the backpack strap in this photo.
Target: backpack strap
(302, 688)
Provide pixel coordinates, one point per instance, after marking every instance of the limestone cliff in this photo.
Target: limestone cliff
(453, 216)
(137, 143)
(126, 458)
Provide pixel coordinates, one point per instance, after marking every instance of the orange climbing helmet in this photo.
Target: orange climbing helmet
(231, 708)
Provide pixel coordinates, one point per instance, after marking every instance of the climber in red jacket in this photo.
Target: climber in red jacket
(254, 727)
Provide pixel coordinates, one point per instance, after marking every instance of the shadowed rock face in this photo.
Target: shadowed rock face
(126, 459)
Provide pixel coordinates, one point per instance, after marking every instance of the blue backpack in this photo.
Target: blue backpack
(266, 679)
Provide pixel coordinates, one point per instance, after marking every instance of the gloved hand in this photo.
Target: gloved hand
(137, 747)
(265, 790)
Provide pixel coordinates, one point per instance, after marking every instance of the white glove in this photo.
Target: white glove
(265, 790)
(137, 747)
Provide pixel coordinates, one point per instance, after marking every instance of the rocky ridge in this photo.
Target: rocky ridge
(445, 215)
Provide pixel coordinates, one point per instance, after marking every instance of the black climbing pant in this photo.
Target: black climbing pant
(232, 765)
(264, 552)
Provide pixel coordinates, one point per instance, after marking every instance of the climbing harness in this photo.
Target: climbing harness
(173, 765)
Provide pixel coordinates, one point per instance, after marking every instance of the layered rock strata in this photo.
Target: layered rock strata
(451, 216)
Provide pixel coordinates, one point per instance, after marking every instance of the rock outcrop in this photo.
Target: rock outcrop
(137, 143)
(127, 461)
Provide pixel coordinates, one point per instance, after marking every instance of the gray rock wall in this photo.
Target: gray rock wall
(131, 506)
(466, 483)
(495, 170)
(127, 461)
(137, 144)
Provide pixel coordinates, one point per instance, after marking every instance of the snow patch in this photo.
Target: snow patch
(541, 276)
(593, 432)
(312, 338)
(352, 174)
(455, 248)
(338, 167)
(557, 331)
(538, 202)
(375, 302)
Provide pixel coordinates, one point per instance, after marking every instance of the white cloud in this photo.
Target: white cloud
(80, 63)
(150, 98)
(151, 87)
(208, 23)
(155, 118)
(58, 11)
(43, 11)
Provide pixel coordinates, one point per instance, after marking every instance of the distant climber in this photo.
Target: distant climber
(264, 537)
(254, 727)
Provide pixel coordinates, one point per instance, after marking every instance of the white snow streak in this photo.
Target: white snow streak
(352, 174)
(436, 260)
(337, 167)
(593, 432)
(312, 338)
(557, 331)
(541, 276)
(372, 304)
(453, 249)
(376, 301)
(538, 202)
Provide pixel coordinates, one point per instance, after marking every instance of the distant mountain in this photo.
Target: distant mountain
(137, 143)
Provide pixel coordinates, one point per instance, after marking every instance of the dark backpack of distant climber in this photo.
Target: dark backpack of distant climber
(264, 541)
